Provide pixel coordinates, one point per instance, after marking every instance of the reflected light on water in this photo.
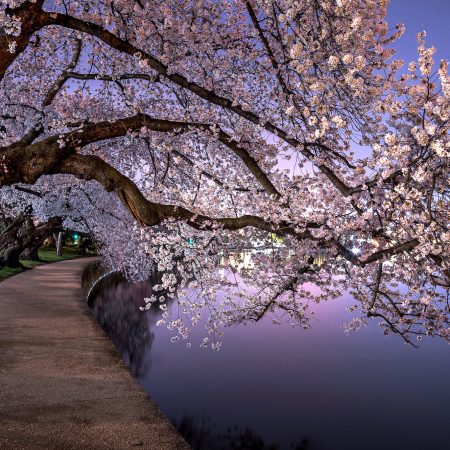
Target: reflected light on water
(318, 389)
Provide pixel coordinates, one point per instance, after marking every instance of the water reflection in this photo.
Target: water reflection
(203, 434)
(116, 308)
(275, 387)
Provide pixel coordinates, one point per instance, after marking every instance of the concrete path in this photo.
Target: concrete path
(62, 383)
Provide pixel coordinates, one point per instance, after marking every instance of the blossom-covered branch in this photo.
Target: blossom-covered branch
(202, 131)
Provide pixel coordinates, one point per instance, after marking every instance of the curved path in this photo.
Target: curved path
(62, 383)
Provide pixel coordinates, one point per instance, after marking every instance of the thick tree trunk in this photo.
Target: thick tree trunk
(23, 236)
(31, 252)
(10, 256)
(9, 243)
(59, 243)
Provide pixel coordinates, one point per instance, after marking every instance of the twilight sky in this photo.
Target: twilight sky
(433, 16)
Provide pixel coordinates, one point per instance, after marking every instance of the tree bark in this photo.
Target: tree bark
(31, 252)
(9, 243)
(32, 18)
(23, 236)
(59, 243)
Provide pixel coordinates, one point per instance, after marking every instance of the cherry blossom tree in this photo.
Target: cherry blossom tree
(183, 132)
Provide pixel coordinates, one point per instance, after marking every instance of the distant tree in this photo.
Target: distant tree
(179, 118)
(21, 238)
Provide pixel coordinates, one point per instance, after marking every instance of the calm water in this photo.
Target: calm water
(277, 387)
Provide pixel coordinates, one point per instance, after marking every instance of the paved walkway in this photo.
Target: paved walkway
(62, 383)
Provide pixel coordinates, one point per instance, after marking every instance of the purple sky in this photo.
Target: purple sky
(433, 16)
